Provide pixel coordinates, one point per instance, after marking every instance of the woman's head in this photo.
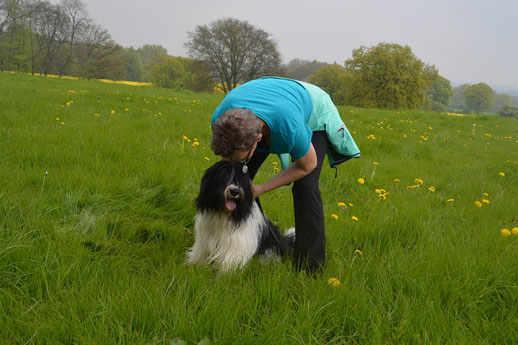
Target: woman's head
(235, 130)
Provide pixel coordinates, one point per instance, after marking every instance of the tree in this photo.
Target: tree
(77, 17)
(150, 54)
(133, 64)
(502, 100)
(438, 94)
(302, 69)
(508, 111)
(98, 55)
(181, 73)
(386, 76)
(333, 79)
(479, 97)
(236, 51)
(457, 100)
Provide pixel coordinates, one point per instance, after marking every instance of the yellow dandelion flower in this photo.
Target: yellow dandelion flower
(354, 218)
(206, 158)
(57, 118)
(478, 204)
(334, 216)
(418, 181)
(502, 174)
(397, 180)
(112, 112)
(341, 204)
(450, 200)
(275, 169)
(358, 252)
(485, 194)
(195, 139)
(383, 196)
(96, 115)
(351, 204)
(185, 138)
(274, 163)
(375, 163)
(334, 282)
(62, 123)
(126, 109)
(515, 231)
(188, 140)
(361, 181)
(505, 232)
(431, 189)
(485, 201)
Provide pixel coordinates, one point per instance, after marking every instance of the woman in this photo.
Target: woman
(284, 116)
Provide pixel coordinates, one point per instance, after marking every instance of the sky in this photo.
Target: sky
(468, 41)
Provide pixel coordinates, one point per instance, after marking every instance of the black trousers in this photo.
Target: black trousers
(310, 242)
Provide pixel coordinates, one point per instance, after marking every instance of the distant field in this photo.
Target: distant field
(97, 188)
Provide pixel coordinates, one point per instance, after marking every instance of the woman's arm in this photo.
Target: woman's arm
(300, 168)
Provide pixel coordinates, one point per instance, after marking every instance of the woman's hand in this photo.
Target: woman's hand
(258, 189)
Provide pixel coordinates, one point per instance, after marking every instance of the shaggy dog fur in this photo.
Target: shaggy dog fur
(230, 228)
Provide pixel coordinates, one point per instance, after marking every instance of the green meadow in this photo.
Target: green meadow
(97, 189)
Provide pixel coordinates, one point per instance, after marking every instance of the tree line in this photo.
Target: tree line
(37, 36)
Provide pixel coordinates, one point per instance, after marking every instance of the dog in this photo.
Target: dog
(230, 227)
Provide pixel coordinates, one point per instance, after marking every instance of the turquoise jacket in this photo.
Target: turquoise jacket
(325, 117)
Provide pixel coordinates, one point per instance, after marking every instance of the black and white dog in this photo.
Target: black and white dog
(230, 228)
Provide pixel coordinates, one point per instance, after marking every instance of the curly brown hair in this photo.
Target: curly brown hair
(236, 129)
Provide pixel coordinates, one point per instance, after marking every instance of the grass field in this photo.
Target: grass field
(97, 188)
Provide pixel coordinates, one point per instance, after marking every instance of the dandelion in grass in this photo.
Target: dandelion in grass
(206, 158)
(478, 204)
(334, 282)
(185, 138)
(485, 201)
(275, 169)
(341, 204)
(354, 218)
(334, 216)
(397, 180)
(431, 189)
(505, 232)
(62, 123)
(514, 231)
(375, 163)
(126, 109)
(351, 204)
(358, 252)
(361, 181)
(450, 200)
(418, 181)
(57, 118)
(96, 115)
(112, 112)
(502, 174)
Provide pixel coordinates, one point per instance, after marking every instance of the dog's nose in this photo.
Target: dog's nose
(234, 192)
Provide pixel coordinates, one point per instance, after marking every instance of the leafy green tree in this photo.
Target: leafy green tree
(302, 69)
(333, 79)
(150, 54)
(181, 73)
(457, 101)
(438, 94)
(501, 100)
(479, 97)
(133, 64)
(386, 76)
(508, 111)
(236, 51)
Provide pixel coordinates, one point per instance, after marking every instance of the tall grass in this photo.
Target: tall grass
(93, 251)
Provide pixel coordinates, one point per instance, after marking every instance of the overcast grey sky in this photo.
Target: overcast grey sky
(469, 41)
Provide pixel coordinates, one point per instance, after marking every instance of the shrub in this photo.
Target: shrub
(509, 111)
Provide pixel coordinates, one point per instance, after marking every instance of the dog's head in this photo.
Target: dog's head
(226, 189)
